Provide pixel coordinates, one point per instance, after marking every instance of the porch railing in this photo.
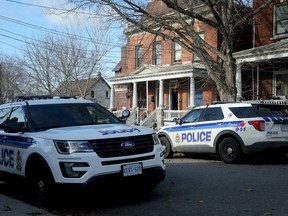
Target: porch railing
(170, 115)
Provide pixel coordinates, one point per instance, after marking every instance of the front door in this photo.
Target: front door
(174, 98)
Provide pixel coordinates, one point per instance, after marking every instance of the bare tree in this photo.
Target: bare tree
(176, 24)
(12, 78)
(65, 60)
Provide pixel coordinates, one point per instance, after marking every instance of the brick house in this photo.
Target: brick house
(265, 66)
(156, 73)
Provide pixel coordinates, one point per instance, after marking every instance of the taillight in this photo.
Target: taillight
(258, 125)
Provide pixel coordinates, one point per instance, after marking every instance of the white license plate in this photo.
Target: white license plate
(284, 127)
(132, 169)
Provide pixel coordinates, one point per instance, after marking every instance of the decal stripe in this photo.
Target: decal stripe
(204, 126)
(16, 141)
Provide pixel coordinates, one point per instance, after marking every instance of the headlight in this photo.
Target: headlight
(156, 139)
(69, 147)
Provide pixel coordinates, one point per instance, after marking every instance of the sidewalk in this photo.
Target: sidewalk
(13, 207)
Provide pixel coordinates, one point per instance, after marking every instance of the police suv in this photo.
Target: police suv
(229, 129)
(76, 142)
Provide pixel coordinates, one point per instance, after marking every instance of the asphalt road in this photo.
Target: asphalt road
(195, 187)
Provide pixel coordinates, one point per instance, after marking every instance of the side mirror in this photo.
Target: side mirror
(125, 114)
(178, 121)
(15, 127)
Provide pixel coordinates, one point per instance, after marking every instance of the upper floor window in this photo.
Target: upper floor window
(92, 94)
(281, 19)
(139, 56)
(157, 55)
(177, 52)
(196, 58)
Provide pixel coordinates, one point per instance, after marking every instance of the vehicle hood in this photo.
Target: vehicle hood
(91, 132)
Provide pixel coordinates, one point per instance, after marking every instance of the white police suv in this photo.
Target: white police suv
(78, 143)
(229, 129)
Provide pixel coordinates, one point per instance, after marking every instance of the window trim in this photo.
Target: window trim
(195, 57)
(174, 50)
(157, 53)
(139, 57)
(275, 34)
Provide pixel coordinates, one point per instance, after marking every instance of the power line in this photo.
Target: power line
(46, 7)
(50, 30)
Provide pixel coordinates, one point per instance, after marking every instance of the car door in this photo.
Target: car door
(182, 134)
(198, 130)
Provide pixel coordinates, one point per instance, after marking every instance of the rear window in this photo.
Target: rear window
(260, 111)
(271, 110)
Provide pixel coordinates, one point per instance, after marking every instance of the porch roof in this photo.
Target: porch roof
(263, 53)
(160, 72)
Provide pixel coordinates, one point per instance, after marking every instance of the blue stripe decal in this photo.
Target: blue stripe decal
(16, 141)
(203, 126)
(268, 119)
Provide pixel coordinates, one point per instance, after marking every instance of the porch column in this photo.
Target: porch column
(147, 94)
(160, 108)
(192, 91)
(239, 81)
(161, 94)
(134, 105)
(257, 90)
(112, 98)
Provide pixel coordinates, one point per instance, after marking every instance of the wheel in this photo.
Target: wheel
(229, 150)
(40, 184)
(168, 153)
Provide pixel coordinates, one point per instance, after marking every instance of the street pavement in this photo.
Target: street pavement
(13, 207)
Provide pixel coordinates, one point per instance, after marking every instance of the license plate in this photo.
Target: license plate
(284, 127)
(132, 169)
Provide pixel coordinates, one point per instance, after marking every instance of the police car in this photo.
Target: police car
(78, 143)
(229, 129)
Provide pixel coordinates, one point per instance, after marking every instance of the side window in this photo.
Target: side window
(212, 114)
(4, 114)
(281, 19)
(17, 115)
(139, 56)
(193, 116)
(177, 52)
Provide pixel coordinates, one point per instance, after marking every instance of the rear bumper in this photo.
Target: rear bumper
(266, 146)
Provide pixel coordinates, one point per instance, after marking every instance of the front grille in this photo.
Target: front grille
(106, 148)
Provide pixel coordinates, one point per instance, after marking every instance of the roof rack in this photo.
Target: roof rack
(39, 97)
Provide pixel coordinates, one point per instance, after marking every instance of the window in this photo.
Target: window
(92, 94)
(212, 114)
(193, 116)
(4, 114)
(107, 94)
(157, 53)
(281, 19)
(177, 52)
(139, 56)
(196, 58)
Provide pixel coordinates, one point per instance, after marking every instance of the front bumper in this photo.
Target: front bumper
(147, 180)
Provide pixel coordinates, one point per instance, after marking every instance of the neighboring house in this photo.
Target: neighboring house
(156, 73)
(262, 72)
(95, 89)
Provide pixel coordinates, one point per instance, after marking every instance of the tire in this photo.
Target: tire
(229, 150)
(40, 184)
(168, 153)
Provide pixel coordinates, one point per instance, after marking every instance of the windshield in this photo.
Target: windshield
(65, 115)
